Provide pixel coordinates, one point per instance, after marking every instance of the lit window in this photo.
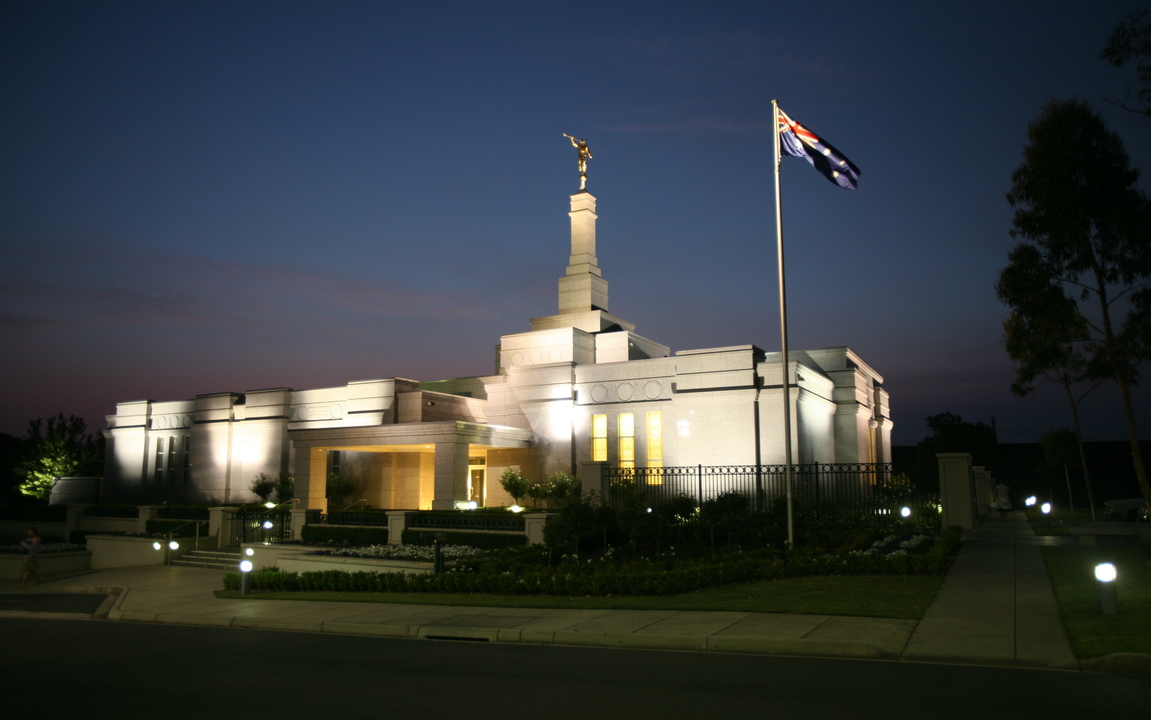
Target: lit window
(159, 460)
(599, 438)
(172, 449)
(655, 444)
(626, 440)
(187, 458)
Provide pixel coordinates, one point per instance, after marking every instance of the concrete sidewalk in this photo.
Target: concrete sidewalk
(996, 607)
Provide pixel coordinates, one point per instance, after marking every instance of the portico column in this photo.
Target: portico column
(451, 482)
(310, 471)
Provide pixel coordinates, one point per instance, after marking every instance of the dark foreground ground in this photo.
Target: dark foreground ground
(93, 669)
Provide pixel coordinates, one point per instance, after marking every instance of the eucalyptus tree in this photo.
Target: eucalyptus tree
(1085, 236)
(1130, 41)
(1048, 341)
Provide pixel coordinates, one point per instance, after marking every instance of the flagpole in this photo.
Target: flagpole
(783, 335)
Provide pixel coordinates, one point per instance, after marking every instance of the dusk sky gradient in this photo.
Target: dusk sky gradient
(200, 197)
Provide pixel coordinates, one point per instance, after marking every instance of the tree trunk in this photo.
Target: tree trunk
(1070, 497)
(1082, 451)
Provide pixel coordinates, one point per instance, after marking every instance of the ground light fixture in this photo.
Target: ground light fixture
(173, 545)
(157, 546)
(1108, 595)
(1046, 508)
(249, 552)
(267, 524)
(245, 577)
(1031, 501)
(269, 505)
(905, 511)
(516, 509)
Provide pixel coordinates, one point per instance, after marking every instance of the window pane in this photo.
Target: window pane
(599, 426)
(599, 449)
(626, 451)
(626, 425)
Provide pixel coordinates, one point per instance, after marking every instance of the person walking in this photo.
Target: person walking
(31, 548)
(1002, 501)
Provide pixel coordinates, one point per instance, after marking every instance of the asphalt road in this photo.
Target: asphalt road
(94, 669)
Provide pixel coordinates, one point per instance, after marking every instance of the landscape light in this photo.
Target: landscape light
(1031, 501)
(516, 508)
(157, 546)
(267, 524)
(1046, 508)
(1105, 572)
(245, 577)
(173, 545)
(1108, 595)
(649, 509)
(905, 512)
(269, 505)
(249, 552)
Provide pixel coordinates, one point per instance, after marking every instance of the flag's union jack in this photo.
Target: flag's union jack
(796, 140)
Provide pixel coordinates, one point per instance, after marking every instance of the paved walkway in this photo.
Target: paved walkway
(996, 607)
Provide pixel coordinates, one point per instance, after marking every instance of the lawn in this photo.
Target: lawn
(1053, 525)
(1072, 572)
(887, 596)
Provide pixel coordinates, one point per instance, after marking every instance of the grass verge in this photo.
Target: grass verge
(886, 596)
(1072, 572)
(1053, 525)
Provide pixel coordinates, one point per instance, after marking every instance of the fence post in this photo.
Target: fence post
(700, 477)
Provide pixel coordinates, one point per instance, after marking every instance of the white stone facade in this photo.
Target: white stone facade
(581, 387)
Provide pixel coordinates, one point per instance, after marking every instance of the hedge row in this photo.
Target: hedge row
(483, 541)
(668, 582)
(350, 535)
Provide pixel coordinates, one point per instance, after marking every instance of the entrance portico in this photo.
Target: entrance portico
(423, 466)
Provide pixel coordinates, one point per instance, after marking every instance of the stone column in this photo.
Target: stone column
(957, 490)
(310, 470)
(451, 483)
(534, 524)
(299, 520)
(582, 288)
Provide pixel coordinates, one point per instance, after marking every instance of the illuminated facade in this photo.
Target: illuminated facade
(579, 389)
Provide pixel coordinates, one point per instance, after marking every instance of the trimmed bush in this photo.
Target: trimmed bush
(483, 541)
(350, 535)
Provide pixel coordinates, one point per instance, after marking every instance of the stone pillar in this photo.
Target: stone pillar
(146, 513)
(311, 472)
(591, 477)
(957, 490)
(299, 520)
(534, 524)
(451, 482)
(219, 524)
(397, 523)
(72, 520)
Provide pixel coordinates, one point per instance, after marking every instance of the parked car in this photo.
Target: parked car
(1131, 510)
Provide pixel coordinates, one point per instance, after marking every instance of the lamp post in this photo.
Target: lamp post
(1108, 595)
(1046, 508)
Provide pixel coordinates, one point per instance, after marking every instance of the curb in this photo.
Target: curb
(1119, 664)
(568, 638)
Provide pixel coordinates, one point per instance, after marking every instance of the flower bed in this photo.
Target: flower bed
(591, 578)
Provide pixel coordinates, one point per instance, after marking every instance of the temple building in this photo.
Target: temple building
(580, 389)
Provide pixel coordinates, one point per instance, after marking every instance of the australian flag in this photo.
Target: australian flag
(796, 140)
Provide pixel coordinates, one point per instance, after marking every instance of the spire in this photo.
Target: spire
(582, 288)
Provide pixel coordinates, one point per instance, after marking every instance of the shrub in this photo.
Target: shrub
(285, 488)
(263, 486)
(341, 487)
(515, 484)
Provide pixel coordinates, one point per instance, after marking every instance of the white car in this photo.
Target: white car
(1131, 510)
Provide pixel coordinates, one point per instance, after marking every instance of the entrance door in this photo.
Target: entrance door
(476, 486)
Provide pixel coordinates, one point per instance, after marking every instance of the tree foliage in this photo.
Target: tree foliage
(1130, 41)
(950, 433)
(59, 447)
(1077, 282)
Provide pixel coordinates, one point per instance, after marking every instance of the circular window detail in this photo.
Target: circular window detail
(537, 356)
(625, 391)
(598, 393)
(652, 389)
(556, 354)
(302, 414)
(337, 411)
(517, 358)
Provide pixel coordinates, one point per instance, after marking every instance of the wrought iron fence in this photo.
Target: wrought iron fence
(466, 521)
(248, 526)
(367, 519)
(818, 489)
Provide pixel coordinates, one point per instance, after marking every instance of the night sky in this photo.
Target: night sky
(209, 196)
